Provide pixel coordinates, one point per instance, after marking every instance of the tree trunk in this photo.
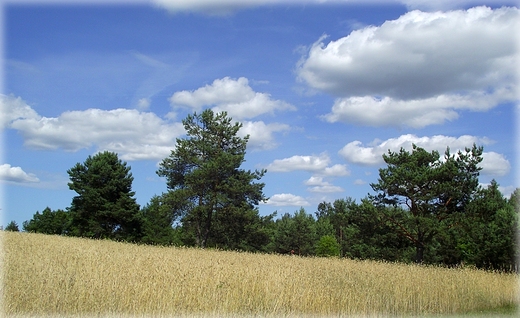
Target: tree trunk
(419, 247)
(207, 228)
(419, 253)
(198, 240)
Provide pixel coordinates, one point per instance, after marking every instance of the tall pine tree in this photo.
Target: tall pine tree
(215, 197)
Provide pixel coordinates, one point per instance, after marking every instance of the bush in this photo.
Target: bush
(327, 246)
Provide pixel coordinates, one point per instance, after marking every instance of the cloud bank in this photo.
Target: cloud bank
(355, 152)
(141, 135)
(134, 135)
(418, 70)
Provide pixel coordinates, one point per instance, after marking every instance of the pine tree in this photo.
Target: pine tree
(215, 198)
(430, 190)
(105, 206)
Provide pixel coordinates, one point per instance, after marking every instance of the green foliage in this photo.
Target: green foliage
(327, 246)
(491, 230)
(295, 234)
(213, 196)
(324, 227)
(158, 220)
(12, 227)
(431, 189)
(104, 206)
(360, 231)
(48, 222)
(239, 229)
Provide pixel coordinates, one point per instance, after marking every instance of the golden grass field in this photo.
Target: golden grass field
(47, 275)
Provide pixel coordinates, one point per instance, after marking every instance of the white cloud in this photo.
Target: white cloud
(492, 164)
(355, 152)
(319, 165)
(416, 113)
(286, 199)
(260, 104)
(16, 174)
(419, 55)
(423, 67)
(261, 134)
(317, 184)
(234, 96)
(221, 91)
(507, 191)
(336, 170)
(305, 163)
(134, 135)
(13, 108)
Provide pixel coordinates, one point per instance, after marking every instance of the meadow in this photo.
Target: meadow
(46, 275)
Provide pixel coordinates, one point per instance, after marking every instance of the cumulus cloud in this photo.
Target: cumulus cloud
(416, 113)
(355, 152)
(494, 164)
(261, 134)
(13, 108)
(317, 184)
(306, 163)
(286, 199)
(423, 67)
(134, 135)
(16, 174)
(421, 54)
(234, 96)
(316, 164)
(336, 170)
(507, 191)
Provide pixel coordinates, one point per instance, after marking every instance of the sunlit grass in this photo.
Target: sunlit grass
(52, 275)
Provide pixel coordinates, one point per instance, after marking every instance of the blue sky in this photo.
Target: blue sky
(323, 88)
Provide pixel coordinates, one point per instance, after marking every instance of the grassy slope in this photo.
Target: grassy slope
(60, 275)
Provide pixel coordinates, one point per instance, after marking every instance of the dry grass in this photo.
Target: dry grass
(52, 275)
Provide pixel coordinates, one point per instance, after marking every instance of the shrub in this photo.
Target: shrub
(327, 246)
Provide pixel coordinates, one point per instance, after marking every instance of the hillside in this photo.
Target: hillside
(53, 275)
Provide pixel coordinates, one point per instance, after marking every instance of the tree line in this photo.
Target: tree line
(426, 208)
